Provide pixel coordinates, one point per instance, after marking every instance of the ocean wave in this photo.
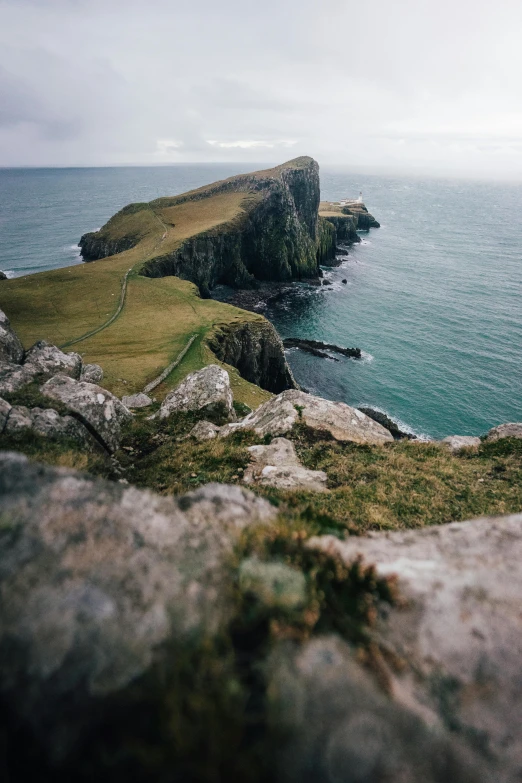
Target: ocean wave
(366, 358)
(9, 273)
(400, 423)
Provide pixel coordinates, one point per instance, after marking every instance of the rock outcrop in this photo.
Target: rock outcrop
(278, 415)
(139, 400)
(47, 360)
(11, 348)
(92, 373)
(510, 430)
(99, 410)
(460, 630)
(458, 442)
(102, 583)
(207, 390)
(277, 465)
(3, 276)
(204, 430)
(255, 349)
(43, 421)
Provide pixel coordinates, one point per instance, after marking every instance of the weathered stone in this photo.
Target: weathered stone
(49, 423)
(511, 430)
(99, 578)
(48, 360)
(137, 401)
(100, 410)
(92, 373)
(19, 418)
(11, 348)
(203, 430)
(458, 442)
(206, 390)
(277, 465)
(275, 585)
(14, 376)
(340, 728)
(460, 632)
(278, 415)
(5, 407)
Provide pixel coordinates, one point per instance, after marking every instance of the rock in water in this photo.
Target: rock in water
(207, 390)
(460, 632)
(11, 348)
(511, 430)
(46, 359)
(99, 580)
(92, 373)
(98, 409)
(137, 401)
(277, 465)
(458, 442)
(3, 276)
(278, 415)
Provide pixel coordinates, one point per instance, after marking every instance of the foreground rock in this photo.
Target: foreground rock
(277, 465)
(43, 421)
(99, 410)
(207, 390)
(461, 631)
(11, 348)
(511, 430)
(278, 415)
(137, 401)
(98, 577)
(92, 373)
(47, 360)
(203, 430)
(458, 442)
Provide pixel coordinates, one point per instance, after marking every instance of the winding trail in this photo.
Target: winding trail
(111, 319)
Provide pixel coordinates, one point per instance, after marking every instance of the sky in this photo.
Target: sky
(405, 86)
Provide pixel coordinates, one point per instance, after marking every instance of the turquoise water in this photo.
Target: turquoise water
(433, 297)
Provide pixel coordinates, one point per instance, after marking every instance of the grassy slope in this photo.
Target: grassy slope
(159, 315)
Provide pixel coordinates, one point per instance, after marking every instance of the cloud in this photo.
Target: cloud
(252, 144)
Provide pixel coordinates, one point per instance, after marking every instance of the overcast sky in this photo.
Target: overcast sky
(427, 85)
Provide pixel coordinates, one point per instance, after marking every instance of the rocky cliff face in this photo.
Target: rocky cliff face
(256, 350)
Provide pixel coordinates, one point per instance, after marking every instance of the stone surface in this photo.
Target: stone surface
(458, 442)
(49, 423)
(5, 407)
(19, 418)
(340, 728)
(206, 390)
(460, 632)
(11, 349)
(99, 577)
(48, 360)
(278, 416)
(3, 275)
(137, 401)
(275, 585)
(92, 373)
(277, 465)
(204, 430)
(511, 430)
(97, 408)
(14, 376)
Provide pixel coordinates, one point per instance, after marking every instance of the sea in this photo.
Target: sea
(433, 298)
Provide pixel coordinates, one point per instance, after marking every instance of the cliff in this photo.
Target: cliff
(259, 226)
(256, 350)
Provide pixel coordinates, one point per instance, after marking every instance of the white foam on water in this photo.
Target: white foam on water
(9, 273)
(367, 358)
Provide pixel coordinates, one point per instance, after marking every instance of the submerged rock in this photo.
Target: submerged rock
(11, 348)
(92, 373)
(390, 424)
(458, 442)
(278, 415)
(100, 579)
(100, 411)
(277, 465)
(459, 632)
(511, 430)
(206, 390)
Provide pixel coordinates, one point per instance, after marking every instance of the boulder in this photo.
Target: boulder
(339, 727)
(203, 430)
(278, 415)
(511, 430)
(92, 373)
(47, 360)
(137, 401)
(274, 585)
(207, 390)
(3, 276)
(458, 442)
(97, 408)
(49, 423)
(5, 407)
(103, 581)
(11, 349)
(277, 465)
(14, 376)
(459, 631)
(19, 418)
